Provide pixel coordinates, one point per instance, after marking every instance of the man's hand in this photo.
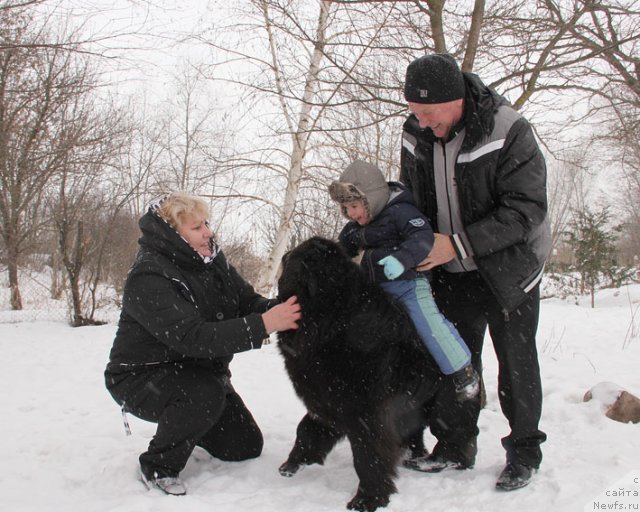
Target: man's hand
(442, 252)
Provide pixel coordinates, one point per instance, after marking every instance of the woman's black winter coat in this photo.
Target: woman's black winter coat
(177, 308)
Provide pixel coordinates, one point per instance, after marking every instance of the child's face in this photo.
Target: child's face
(357, 212)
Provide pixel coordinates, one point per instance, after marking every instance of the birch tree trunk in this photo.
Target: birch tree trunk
(299, 129)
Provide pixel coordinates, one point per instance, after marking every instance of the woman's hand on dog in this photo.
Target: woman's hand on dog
(283, 317)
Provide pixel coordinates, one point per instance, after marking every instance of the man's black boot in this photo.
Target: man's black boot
(514, 476)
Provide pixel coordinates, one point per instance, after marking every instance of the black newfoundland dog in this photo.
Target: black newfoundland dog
(358, 366)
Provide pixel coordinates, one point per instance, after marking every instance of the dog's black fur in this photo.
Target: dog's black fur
(358, 366)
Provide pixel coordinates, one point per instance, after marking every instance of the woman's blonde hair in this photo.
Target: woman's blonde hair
(178, 206)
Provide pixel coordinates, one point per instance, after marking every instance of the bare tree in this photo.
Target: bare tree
(622, 141)
(86, 207)
(37, 89)
(314, 63)
(84, 222)
(609, 34)
(194, 133)
(302, 74)
(570, 185)
(81, 39)
(298, 129)
(141, 159)
(18, 4)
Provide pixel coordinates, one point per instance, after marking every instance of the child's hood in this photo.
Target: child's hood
(362, 181)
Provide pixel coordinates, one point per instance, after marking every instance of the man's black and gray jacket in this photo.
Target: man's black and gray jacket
(485, 186)
(180, 309)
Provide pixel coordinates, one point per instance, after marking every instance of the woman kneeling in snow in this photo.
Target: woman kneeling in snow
(185, 312)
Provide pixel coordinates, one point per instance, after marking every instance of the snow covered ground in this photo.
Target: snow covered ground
(63, 446)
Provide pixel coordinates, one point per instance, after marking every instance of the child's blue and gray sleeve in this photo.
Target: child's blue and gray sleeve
(417, 237)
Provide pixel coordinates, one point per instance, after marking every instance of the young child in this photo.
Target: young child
(395, 237)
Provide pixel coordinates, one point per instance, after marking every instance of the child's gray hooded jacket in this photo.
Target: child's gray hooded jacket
(397, 227)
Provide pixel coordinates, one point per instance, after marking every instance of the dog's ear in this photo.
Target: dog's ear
(299, 279)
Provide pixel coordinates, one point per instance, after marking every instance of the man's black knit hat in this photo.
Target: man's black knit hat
(433, 78)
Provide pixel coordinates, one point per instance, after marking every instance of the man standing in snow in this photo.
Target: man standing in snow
(477, 173)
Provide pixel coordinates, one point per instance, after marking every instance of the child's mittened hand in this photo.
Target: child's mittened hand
(392, 267)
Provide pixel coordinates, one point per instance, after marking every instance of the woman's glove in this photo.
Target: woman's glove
(392, 267)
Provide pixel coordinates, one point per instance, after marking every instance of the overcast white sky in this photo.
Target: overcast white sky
(143, 41)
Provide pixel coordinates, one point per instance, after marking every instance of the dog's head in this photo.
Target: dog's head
(317, 269)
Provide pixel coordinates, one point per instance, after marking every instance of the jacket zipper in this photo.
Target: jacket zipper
(450, 193)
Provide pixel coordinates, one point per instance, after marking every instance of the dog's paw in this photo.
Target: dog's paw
(289, 469)
(365, 503)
